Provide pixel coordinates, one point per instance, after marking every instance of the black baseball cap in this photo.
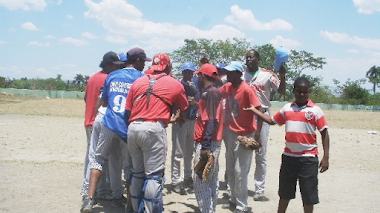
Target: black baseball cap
(136, 52)
(110, 57)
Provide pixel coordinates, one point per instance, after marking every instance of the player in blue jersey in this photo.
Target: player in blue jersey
(113, 136)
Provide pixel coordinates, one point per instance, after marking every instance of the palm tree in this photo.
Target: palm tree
(373, 75)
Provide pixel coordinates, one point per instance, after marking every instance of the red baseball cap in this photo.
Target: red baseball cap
(160, 62)
(209, 70)
(149, 71)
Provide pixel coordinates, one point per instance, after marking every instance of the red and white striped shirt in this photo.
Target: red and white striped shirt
(300, 126)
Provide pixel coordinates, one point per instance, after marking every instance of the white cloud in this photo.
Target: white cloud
(343, 69)
(36, 43)
(2, 42)
(74, 41)
(89, 35)
(344, 38)
(122, 26)
(29, 26)
(286, 43)
(23, 4)
(50, 37)
(355, 51)
(18, 72)
(59, 2)
(245, 19)
(367, 6)
(117, 39)
(12, 30)
(70, 17)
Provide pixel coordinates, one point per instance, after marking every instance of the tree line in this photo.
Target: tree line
(225, 51)
(79, 83)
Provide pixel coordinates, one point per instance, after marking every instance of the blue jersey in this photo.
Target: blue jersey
(115, 91)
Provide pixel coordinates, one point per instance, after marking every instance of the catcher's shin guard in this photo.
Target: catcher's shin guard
(152, 191)
(136, 183)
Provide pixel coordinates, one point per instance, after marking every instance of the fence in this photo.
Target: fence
(73, 94)
(43, 93)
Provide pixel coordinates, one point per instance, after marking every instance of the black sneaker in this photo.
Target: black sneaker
(119, 202)
(180, 190)
(188, 183)
(87, 205)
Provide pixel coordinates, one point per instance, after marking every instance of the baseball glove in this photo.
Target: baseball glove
(249, 142)
(205, 167)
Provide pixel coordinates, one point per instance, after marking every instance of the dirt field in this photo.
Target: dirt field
(42, 143)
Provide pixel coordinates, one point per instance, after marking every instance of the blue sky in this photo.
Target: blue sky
(43, 38)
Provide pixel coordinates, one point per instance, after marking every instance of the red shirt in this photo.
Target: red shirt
(301, 124)
(94, 84)
(243, 96)
(210, 108)
(168, 88)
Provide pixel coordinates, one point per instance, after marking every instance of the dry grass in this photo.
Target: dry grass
(41, 106)
(75, 108)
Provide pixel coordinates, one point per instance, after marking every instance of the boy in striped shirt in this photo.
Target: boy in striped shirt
(300, 158)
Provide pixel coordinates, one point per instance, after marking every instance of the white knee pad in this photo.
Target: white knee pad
(136, 183)
(152, 190)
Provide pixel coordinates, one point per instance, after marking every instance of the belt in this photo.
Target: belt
(152, 121)
(147, 120)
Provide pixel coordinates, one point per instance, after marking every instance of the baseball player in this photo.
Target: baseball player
(238, 95)
(182, 135)
(110, 63)
(264, 81)
(114, 127)
(208, 136)
(149, 106)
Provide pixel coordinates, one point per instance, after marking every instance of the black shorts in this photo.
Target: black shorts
(305, 169)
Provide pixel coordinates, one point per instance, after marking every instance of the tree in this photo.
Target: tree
(373, 76)
(79, 81)
(235, 50)
(352, 92)
(217, 52)
(3, 82)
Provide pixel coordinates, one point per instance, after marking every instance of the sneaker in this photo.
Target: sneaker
(117, 202)
(180, 190)
(239, 211)
(229, 205)
(128, 209)
(87, 205)
(259, 197)
(188, 183)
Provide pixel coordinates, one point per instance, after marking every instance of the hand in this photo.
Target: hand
(190, 99)
(203, 59)
(175, 116)
(324, 164)
(282, 70)
(205, 154)
(249, 108)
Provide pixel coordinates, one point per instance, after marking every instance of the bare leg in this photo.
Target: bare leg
(282, 205)
(308, 208)
(94, 179)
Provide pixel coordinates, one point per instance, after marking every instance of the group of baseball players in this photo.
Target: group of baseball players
(128, 111)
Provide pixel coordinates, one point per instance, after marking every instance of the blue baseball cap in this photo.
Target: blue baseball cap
(188, 66)
(220, 65)
(123, 57)
(282, 56)
(234, 66)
